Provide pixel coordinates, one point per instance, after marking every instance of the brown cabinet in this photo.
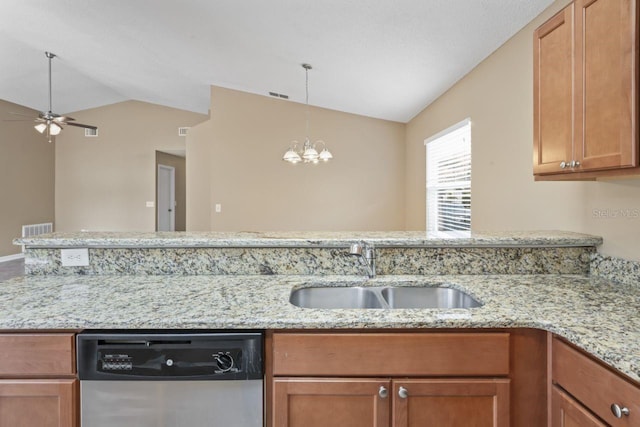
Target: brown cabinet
(355, 402)
(389, 379)
(583, 386)
(585, 92)
(567, 412)
(38, 386)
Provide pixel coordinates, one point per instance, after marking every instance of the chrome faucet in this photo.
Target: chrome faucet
(366, 256)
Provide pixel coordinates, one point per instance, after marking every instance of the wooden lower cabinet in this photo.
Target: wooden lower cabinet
(451, 402)
(320, 402)
(38, 403)
(38, 384)
(354, 402)
(566, 412)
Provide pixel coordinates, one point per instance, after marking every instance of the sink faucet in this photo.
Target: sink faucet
(366, 256)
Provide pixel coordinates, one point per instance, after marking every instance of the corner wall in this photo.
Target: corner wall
(26, 175)
(236, 157)
(498, 97)
(104, 183)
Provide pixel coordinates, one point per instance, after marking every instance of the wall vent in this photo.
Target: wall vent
(279, 95)
(90, 133)
(183, 131)
(31, 230)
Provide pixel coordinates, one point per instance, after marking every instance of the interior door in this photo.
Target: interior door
(166, 198)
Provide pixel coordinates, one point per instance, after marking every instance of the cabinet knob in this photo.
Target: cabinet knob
(564, 165)
(383, 392)
(403, 393)
(618, 412)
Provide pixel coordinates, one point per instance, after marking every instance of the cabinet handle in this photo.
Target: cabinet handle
(571, 164)
(403, 393)
(383, 392)
(618, 412)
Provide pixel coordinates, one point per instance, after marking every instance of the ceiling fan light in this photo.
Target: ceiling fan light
(40, 127)
(54, 128)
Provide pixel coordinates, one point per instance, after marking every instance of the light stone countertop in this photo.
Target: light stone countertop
(600, 317)
(305, 239)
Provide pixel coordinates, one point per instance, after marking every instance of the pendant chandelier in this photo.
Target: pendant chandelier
(307, 152)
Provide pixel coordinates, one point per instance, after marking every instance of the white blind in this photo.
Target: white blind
(449, 181)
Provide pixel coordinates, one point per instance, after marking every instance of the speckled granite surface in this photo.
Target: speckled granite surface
(616, 269)
(601, 318)
(315, 261)
(304, 239)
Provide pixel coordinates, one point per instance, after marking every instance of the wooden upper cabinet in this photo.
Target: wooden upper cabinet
(606, 69)
(585, 91)
(553, 93)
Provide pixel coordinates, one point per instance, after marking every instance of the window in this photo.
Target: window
(449, 181)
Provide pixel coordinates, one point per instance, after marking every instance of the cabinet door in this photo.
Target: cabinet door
(451, 403)
(38, 403)
(553, 93)
(316, 402)
(566, 412)
(606, 79)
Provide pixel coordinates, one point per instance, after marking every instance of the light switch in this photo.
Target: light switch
(151, 204)
(218, 208)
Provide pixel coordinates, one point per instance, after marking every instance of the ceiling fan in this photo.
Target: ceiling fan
(50, 123)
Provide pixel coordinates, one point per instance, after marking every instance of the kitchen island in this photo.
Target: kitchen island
(525, 281)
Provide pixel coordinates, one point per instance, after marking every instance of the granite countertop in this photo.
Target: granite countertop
(304, 239)
(600, 317)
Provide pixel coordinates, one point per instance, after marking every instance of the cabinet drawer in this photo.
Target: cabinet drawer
(36, 354)
(594, 385)
(391, 354)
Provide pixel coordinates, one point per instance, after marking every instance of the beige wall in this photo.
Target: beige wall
(180, 166)
(103, 183)
(26, 176)
(498, 97)
(237, 158)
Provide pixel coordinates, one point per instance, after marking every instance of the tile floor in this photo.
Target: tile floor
(9, 269)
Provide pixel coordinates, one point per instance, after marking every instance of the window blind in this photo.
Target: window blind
(449, 181)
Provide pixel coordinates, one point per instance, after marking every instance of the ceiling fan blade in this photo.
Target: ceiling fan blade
(80, 125)
(20, 114)
(62, 119)
(17, 120)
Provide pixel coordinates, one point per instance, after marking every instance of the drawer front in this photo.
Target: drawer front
(391, 354)
(36, 355)
(594, 385)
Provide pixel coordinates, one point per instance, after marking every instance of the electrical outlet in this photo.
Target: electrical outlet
(74, 257)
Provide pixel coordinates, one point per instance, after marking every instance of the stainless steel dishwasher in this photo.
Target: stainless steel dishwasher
(171, 379)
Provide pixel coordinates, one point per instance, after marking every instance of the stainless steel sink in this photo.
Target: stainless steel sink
(335, 297)
(422, 297)
(390, 297)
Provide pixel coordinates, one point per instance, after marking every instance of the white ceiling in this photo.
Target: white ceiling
(380, 58)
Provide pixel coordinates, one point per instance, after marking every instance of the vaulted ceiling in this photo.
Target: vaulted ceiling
(380, 58)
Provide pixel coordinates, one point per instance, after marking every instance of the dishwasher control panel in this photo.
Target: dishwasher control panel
(170, 356)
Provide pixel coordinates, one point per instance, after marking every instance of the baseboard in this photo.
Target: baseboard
(11, 257)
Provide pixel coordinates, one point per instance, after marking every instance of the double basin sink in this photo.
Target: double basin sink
(382, 297)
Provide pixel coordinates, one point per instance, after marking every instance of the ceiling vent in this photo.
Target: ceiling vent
(90, 133)
(183, 131)
(279, 95)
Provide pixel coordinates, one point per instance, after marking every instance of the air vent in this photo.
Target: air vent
(90, 133)
(279, 95)
(183, 131)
